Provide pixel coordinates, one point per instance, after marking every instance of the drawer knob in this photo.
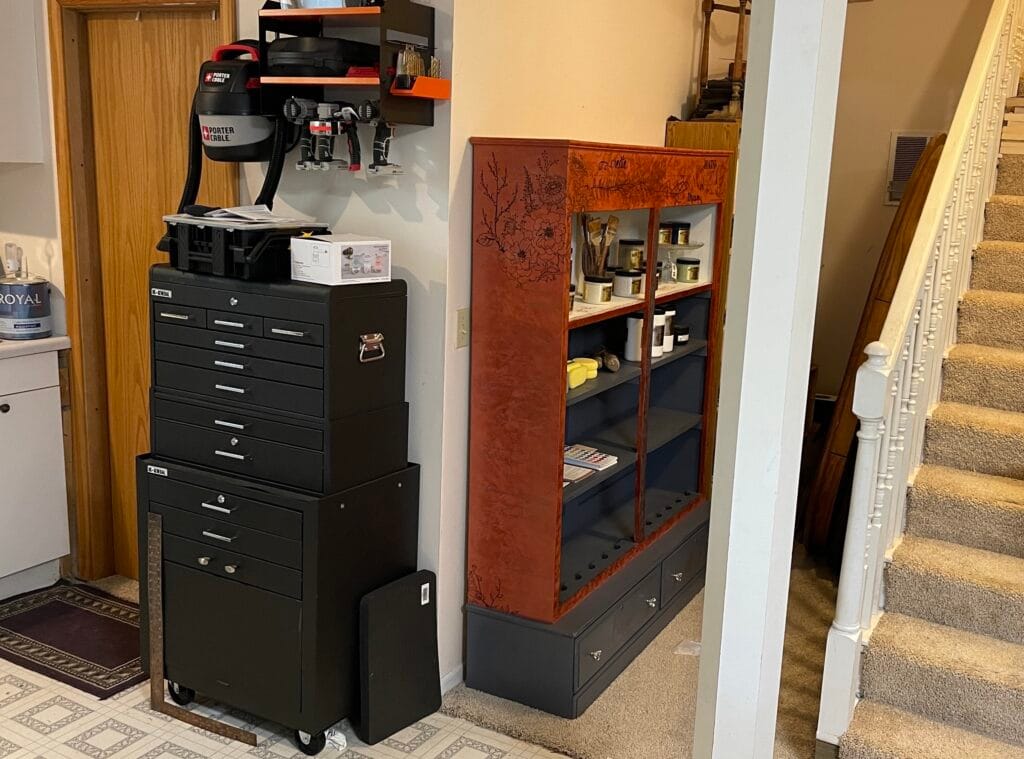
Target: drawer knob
(220, 499)
(4, 408)
(204, 561)
(652, 602)
(234, 441)
(677, 576)
(233, 301)
(596, 655)
(230, 568)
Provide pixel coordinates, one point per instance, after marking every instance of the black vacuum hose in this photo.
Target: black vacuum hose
(276, 164)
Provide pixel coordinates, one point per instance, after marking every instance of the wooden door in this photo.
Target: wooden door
(142, 72)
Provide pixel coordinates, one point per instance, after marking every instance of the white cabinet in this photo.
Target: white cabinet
(22, 85)
(33, 498)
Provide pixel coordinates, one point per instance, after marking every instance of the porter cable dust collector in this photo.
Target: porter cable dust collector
(227, 123)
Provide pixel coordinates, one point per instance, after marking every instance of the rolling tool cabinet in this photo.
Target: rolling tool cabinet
(279, 468)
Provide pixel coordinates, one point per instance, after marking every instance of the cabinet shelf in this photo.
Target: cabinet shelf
(627, 460)
(680, 351)
(663, 426)
(604, 381)
(583, 314)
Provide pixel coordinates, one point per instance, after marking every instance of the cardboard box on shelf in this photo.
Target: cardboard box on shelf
(342, 259)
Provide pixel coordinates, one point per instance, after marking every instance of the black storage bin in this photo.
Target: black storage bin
(208, 246)
(318, 56)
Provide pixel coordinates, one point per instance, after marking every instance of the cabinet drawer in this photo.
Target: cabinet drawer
(218, 533)
(244, 366)
(222, 420)
(229, 387)
(235, 323)
(178, 314)
(242, 345)
(683, 564)
(224, 505)
(281, 464)
(232, 566)
(233, 643)
(616, 627)
(296, 332)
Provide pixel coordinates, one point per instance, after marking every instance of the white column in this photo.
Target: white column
(789, 119)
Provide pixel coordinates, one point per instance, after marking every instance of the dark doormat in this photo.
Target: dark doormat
(75, 634)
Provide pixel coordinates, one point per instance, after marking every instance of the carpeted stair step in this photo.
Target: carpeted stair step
(1004, 218)
(967, 588)
(999, 265)
(976, 510)
(882, 732)
(976, 439)
(992, 318)
(979, 375)
(1010, 179)
(947, 675)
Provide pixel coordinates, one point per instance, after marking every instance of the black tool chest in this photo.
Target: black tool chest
(279, 468)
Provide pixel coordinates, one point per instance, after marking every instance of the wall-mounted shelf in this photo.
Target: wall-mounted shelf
(348, 16)
(323, 81)
(428, 87)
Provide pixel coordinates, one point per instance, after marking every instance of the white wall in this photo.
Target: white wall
(904, 65)
(28, 191)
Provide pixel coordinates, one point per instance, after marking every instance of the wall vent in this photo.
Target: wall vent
(905, 148)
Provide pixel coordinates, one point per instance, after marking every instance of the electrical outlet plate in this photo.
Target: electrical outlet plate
(462, 328)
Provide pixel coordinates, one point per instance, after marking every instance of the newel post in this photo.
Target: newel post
(841, 680)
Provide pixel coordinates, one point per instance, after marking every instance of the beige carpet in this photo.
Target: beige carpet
(120, 587)
(943, 674)
(648, 712)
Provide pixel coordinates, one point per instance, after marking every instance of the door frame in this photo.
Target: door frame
(91, 516)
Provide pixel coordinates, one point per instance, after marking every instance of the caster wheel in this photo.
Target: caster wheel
(310, 745)
(180, 695)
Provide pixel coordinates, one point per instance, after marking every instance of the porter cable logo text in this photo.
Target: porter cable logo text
(218, 133)
(216, 77)
(13, 299)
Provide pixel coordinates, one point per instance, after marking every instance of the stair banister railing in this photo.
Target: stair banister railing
(901, 380)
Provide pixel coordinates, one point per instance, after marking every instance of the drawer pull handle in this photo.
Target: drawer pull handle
(228, 344)
(213, 507)
(287, 332)
(226, 323)
(215, 536)
(230, 455)
(371, 347)
(172, 315)
(596, 655)
(230, 389)
(232, 425)
(230, 568)
(228, 365)
(652, 602)
(204, 561)
(677, 576)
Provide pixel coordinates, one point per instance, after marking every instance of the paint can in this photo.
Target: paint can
(25, 308)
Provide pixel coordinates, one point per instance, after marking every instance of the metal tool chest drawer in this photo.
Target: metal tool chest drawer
(221, 534)
(215, 499)
(234, 452)
(243, 366)
(241, 345)
(620, 623)
(218, 637)
(226, 564)
(234, 389)
(357, 334)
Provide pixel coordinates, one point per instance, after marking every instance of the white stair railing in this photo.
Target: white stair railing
(900, 381)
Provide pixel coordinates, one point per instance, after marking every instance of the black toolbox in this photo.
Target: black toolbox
(318, 56)
(227, 248)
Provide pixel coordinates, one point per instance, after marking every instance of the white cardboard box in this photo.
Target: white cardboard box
(344, 259)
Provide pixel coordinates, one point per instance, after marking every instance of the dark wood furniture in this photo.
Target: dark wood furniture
(566, 585)
(279, 470)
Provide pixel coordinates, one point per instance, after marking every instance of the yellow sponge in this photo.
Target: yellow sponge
(577, 375)
(590, 364)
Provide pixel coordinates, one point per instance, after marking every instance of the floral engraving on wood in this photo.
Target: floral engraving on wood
(492, 598)
(628, 179)
(525, 221)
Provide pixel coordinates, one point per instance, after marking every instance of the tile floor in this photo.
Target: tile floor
(40, 717)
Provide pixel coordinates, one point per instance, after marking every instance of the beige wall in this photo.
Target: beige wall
(904, 64)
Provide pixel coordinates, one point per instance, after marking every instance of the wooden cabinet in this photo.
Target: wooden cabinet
(33, 497)
(540, 555)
